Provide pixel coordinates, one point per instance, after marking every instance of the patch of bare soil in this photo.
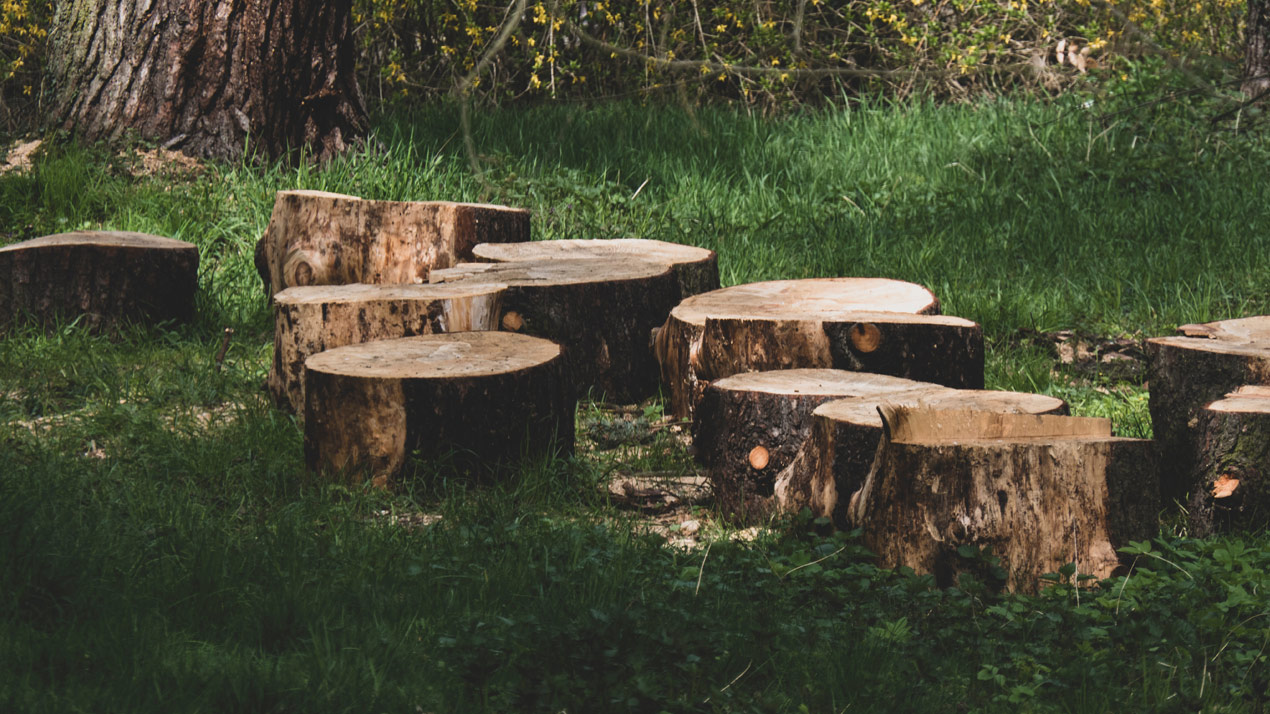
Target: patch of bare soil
(1092, 357)
(161, 162)
(18, 156)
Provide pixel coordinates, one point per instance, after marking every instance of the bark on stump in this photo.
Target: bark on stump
(479, 401)
(310, 320)
(1231, 487)
(749, 427)
(813, 323)
(1040, 491)
(1188, 373)
(833, 462)
(696, 268)
(318, 238)
(102, 277)
(601, 310)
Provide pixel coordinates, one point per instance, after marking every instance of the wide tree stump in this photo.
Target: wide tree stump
(1231, 487)
(1187, 373)
(480, 401)
(309, 320)
(601, 310)
(1040, 491)
(100, 277)
(834, 460)
(749, 427)
(319, 238)
(696, 268)
(844, 323)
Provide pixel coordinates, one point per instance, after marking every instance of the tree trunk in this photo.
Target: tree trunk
(211, 79)
(1231, 487)
(1257, 49)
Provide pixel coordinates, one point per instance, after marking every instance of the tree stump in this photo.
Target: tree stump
(1231, 488)
(486, 400)
(749, 427)
(1189, 372)
(309, 320)
(601, 310)
(696, 268)
(815, 323)
(319, 238)
(1040, 491)
(103, 277)
(834, 460)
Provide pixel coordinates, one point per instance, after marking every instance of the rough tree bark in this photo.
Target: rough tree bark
(208, 78)
(1257, 49)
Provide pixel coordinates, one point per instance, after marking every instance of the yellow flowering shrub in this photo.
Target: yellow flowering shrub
(23, 27)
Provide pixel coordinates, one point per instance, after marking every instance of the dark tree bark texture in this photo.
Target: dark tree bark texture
(210, 79)
(1257, 49)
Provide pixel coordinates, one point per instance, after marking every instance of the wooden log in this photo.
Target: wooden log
(1187, 374)
(484, 400)
(99, 277)
(749, 427)
(601, 310)
(697, 269)
(833, 461)
(1231, 486)
(1039, 491)
(772, 325)
(309, 320)
(319, 238)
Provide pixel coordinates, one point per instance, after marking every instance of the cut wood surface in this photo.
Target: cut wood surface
(309, 320)
(834, 460)
(602, 310)
(1189, 373)
(697, 269)
(479, 401)
(320, 238)
(775, 325)
(99, 277)
(749, 427)
(1231, 484)
(1038, 502)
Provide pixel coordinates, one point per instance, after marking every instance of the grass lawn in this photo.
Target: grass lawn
(162, 550)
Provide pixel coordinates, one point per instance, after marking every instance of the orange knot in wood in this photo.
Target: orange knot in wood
(512, 321)
(759, 457)
(865, 337)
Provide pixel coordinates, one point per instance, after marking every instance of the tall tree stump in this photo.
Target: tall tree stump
(833, 461)
(696, 268)
(601, 310)
(842, 323)
(319, 238)
(483, 400)
(1231, 487)
(749, 427)
(309, 320)
(1189, 372)
(102, 277)
(1040, 491)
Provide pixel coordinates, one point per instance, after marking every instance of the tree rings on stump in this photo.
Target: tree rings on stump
(749, 426)
(103, 277)
(484, 400)
(696, 268)
(1189, 373)
(309, 320)
(1040, 491)
(319, 238)
(1231, 487)
(834, 459)
(601, 310)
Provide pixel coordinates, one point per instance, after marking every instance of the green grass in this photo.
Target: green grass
(161, 548)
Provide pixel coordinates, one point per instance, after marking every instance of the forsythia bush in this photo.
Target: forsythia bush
(23, 26)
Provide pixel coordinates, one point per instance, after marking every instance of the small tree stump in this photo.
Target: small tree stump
(103, 277)
(787, 324)
(749, 426)
(484, 399)
(1040, 491)
(309, 320)
(601, 310)
(1231, 487)
(696, 268)
(1189, 373)
(834, 460)
(319, 238)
